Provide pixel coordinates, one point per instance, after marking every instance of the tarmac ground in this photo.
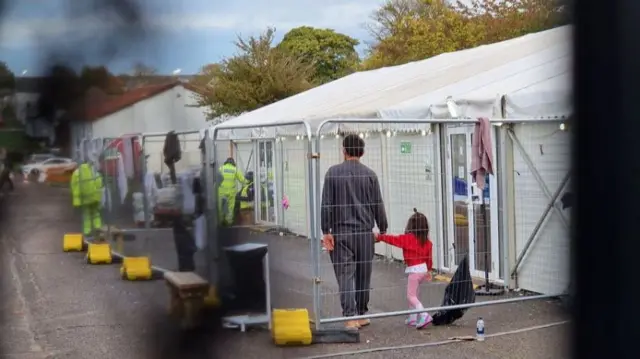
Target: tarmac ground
(54, 305)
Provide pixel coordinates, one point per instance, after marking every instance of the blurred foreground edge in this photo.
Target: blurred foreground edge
(605, 227)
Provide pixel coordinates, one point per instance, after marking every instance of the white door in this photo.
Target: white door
(472, 231)
(266, 182)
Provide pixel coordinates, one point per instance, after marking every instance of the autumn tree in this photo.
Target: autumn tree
(140, 69)
(139, 75)
(332, 54)
(410, 30)
(257, 76)
(507, 19)
(102, 78)
(203, 80)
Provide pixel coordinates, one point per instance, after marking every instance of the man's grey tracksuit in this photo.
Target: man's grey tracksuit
(351, 206)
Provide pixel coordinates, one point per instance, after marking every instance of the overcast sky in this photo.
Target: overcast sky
(182, 34)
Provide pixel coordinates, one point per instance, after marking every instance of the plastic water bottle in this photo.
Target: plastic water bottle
(480, 330)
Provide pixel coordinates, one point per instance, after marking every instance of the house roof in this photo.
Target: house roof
(105, 106)
(132, 82)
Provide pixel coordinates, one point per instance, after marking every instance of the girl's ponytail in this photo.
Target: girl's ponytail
(419, 226)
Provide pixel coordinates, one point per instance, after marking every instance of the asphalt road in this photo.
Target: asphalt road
(54, 305)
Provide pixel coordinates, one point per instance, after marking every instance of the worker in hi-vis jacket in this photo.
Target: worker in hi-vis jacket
(87, 191)
(230, 175)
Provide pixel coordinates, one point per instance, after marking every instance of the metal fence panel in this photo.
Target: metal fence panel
(276, 168)
(140, 201)
(426, 165)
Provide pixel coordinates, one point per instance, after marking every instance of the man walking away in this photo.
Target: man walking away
(351, 206)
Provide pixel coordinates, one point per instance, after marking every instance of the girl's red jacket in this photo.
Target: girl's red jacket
(413, 252)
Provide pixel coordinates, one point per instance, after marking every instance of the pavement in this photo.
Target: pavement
(54, 305)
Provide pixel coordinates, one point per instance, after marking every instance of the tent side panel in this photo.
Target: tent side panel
(296, 185)
(411, 182)
(545, 269)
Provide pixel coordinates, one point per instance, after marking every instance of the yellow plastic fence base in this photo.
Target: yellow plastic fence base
(212, 300)
(291, 327)
(72, 242)
(99, 253)
(136, 268)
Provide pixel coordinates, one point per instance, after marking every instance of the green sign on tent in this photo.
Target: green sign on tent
(405, 148)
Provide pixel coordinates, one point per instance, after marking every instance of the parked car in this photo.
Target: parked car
(39, 157)
(47, 164)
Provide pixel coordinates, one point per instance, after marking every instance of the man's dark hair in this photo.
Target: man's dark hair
(353, 146)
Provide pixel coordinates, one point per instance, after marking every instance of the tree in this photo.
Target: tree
(204, 79)
(257, 76)
(7, 78)
(507, 19)
(140, 75)
(410, 30)
(59, 90)
(388, 18)
(141, 70)
(100, 77)
(332, 54)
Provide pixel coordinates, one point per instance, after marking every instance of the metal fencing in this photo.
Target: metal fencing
(140, 203)
(504, 231)
(512, 234)
(273, 167)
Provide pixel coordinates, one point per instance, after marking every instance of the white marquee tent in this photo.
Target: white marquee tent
(525, 78)
(537, 62)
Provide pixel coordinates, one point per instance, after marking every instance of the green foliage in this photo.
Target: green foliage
(13, 140)
(410, 30)
(102, 78)
(257, 76)
(7, 78)
(507, 19)
(414, 30)
(8, 115)
(332, 54)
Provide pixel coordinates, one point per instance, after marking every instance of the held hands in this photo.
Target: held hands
(328, 242)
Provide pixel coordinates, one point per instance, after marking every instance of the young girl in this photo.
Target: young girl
(417, 251)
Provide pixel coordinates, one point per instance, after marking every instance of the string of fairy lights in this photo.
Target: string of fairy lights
(388, 133)
(364, 134)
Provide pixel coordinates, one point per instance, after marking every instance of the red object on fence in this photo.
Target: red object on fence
(116, 149)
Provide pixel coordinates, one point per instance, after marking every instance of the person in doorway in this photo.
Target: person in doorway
(417, 252)
(230, 175)
(351, 207)
(87, 191)
(246, 196)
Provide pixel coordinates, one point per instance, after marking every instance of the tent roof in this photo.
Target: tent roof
(538, 61)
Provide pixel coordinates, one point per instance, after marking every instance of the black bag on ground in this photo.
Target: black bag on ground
(459, 291)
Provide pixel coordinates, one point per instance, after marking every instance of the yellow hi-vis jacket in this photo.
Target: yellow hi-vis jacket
(244, 193)
(86, 186)
(230, 174)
